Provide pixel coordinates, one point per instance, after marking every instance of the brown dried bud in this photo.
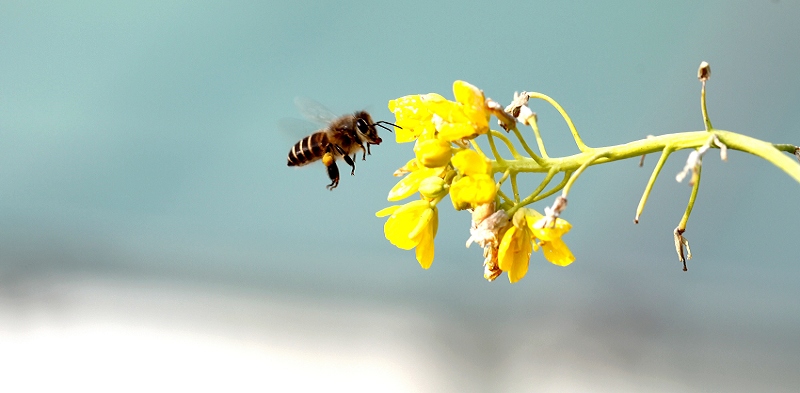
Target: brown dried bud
(704, 72)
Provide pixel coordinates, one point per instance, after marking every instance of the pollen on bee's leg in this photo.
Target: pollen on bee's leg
(333, 170)
(327, 159)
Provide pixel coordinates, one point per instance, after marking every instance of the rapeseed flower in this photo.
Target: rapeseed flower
(412, 225)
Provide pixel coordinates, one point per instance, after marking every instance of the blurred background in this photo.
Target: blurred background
(152, 236)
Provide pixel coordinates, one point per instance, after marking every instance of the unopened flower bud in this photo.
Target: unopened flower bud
(704, 72)
(433, 153)
(433, 187)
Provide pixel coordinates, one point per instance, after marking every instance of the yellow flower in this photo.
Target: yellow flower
(471, 191)
(414, 116)
(474, 103)
(412, 225)
(515, 252)
(476, 186)
(554, 249)
(469, 162)
(434, 115)
(468, 119)
(521, 239)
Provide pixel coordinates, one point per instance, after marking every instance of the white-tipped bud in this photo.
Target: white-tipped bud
(704, 72)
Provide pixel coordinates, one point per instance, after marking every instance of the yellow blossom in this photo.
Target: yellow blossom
(432, 114)
(471, 191)
(412, 225)
(515, 252)
(474, 103)
(414, 116)
(553, 248)
(521, 239)
(468, 119)
(476, 186)
(469, 162)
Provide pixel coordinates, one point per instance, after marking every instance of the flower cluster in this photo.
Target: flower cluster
(447, 163)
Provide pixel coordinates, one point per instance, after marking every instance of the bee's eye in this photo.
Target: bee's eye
(362, 126)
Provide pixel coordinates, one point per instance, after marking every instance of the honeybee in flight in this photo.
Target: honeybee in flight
(342, 137)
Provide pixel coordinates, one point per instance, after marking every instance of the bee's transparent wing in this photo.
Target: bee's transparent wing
(293, 130)
(314, 111)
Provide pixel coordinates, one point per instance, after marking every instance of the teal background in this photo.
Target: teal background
(152, 236)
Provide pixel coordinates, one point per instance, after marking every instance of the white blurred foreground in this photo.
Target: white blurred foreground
(97, 335)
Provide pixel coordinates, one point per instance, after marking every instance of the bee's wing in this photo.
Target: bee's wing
(293, 130)
(314, 111)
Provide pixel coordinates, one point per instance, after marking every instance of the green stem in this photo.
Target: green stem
(514, 187)
(539, 142)
(532, 197)
(664, 155)
(677, 141)
(555, 189)
(504, 196)
(706, 120)
(765, 150)
(578, 141)
(580, 171)
(508, 143)
(525, 144)
(494, 149)
(692, 198)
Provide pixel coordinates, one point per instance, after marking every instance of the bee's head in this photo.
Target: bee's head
(366, 128)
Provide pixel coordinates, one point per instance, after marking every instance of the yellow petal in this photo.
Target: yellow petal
(412, 106)
(456, 131)
(422, 223)
(485, 189)
(557, 252)
(409, 131)
(514, 253)
(531, 217)
(545, 232)
(402, 221)
(522, 258)
(410, 184)
(437, 104)
(387, 211)
(471, 191)
(468, 94)
(469, 162)
(425, 247)
(506, 250)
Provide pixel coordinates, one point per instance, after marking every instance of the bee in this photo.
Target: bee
(342, 137)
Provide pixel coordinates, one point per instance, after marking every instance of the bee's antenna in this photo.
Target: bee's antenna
(381, 124)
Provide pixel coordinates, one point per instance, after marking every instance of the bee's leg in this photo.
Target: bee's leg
(364, 152)
(333, 170)
(368, 153)
(352, 164)
(347, 159)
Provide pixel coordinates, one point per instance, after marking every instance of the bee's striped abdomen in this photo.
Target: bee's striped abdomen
(309, 149)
